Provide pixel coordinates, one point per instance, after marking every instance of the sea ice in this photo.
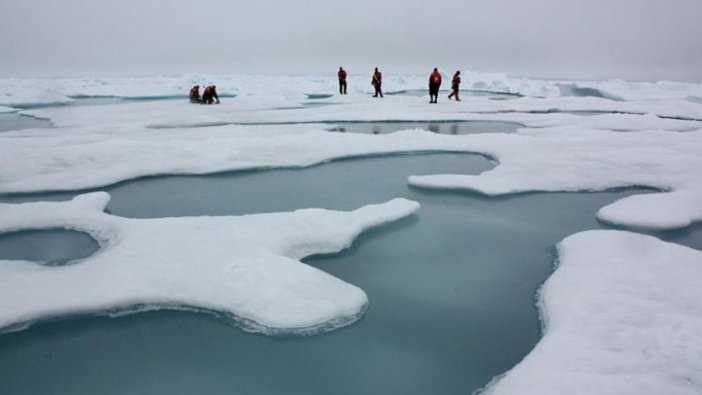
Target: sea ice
(21, 92)
(99, 145)
(244, 267)
(622, 314)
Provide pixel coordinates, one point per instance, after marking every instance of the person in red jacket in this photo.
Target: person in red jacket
(195, 94)
(377, 82)
(209, 96)
(455, 82)
(434, 85)
(342, 81)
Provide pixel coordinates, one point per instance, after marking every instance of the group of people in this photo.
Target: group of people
(434, 84)
(209, 95)
(376, 81)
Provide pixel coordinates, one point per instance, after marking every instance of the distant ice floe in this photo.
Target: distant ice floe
(29, 92)
(245, 268)
(16, 92)
(622, 314)
(500, 83)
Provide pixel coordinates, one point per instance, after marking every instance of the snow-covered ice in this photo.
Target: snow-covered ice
(23, 92)
(244, 267)
(99, 145)
(572, 159)
(622, 310)
(622, 314)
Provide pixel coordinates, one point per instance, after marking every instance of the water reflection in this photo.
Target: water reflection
(50, 247)
(439, 127)
(451, 291)
(15, 121)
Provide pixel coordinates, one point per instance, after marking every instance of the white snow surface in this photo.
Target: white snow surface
(626, 143)
(32, 91)
(622, 312)
(246, 267)
(622, 316)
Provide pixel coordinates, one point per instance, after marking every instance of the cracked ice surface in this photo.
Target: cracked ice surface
(245, 267)
(622, 315)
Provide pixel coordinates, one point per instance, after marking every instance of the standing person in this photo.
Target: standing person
(434, 84)
(377, 82)
(210, 95)
(455, 82)
(195, 94)
(342, 81)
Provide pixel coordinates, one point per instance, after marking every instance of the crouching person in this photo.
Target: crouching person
(209, 96)
(195, 94)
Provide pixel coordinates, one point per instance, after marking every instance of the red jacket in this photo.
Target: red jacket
(435, 78)
(195, 92)
(377, 78)
(342, 74)
(456, 80)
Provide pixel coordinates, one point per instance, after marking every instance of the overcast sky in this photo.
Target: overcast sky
(570, 39)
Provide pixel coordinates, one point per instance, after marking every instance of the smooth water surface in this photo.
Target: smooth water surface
(451, 292)
(344, 184)
(440, 127)
(382, 127)
(14, 121)
(443, 94)
(52, 247)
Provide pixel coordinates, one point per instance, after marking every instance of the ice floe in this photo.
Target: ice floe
(568, 159)
(563, 158)
(16, 92)
(622, 314)
(267, 109)
(246, 268)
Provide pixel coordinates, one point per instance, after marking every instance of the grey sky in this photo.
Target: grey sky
(585, 39)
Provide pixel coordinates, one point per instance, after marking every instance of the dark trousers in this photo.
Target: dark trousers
(209, 98)
(454, 92)
(342, 87)
(434, 92)
(377, 90)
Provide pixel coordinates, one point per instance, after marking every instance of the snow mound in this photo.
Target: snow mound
(580, 91)
(500, 83)
(622, 315)
(667, 210)
(245, 268)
